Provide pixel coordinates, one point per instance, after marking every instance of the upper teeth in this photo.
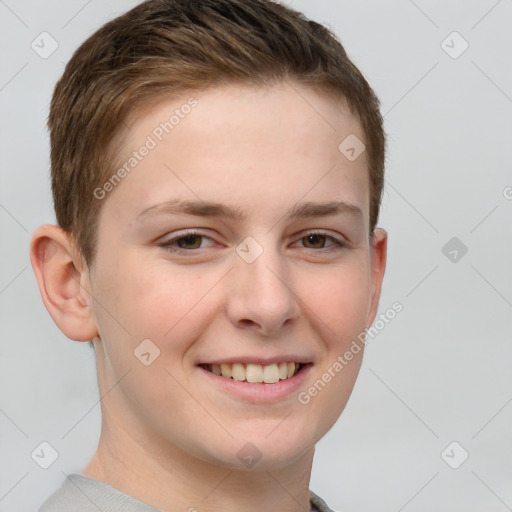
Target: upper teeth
(255, 372)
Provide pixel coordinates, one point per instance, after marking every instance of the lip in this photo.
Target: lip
(263, 361)
(258, 392)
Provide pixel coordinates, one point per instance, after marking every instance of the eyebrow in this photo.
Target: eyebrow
(199, 208)
(309, 209)
(211, 209)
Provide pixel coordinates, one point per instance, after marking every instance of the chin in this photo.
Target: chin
(260, 451)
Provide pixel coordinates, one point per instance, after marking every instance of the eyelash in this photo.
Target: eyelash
(168, 244)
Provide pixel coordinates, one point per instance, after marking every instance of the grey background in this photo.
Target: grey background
(439, 372)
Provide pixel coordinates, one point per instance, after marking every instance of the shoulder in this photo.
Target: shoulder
(80, 493)
(317, 503)
(72, 494)
(84, 494)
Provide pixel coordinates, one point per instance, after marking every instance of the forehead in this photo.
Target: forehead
(235, 144)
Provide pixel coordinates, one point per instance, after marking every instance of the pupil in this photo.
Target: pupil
(316, 239)
(190, 240)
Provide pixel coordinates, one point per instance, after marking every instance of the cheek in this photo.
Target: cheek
(154, 298)
(152, 301)
(340, 303)
(339, 300)
(175, 300)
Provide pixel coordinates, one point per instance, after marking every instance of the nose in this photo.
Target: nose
(261, 295)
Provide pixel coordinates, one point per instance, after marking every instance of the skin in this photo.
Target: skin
(169, 437)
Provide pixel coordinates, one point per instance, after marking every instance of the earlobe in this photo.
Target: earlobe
(378, 256)
(63, 282)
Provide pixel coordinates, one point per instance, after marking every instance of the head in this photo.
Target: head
(217, 171)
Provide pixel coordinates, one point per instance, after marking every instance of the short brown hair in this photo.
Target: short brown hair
(168, 47)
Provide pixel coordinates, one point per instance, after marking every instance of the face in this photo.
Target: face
(238, 244)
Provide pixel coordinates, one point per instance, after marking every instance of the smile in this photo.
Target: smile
(255, 373)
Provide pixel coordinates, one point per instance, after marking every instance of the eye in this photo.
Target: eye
(316, 240)
(190, 241)
(187, 242)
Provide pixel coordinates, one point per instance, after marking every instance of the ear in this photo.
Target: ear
(63, 281)
(378, 255)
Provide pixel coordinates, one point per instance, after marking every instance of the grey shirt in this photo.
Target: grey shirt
(84, 494)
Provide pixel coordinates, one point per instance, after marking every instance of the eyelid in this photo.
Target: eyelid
(167, 244)
(187, 232)
(338, 240)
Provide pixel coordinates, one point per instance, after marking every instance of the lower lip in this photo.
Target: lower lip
(260, 392)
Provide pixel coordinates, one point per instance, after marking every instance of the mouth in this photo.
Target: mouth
(256, 373)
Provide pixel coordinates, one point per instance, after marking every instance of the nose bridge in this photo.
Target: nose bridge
(262, 293)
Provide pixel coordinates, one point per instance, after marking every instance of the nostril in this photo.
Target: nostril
(245, 322)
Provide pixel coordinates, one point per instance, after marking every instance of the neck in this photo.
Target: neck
(172, 480)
